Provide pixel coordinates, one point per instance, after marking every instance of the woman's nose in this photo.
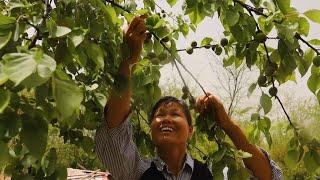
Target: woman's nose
(166, 118)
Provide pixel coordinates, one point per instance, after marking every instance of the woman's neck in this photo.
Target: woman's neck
(174, 157)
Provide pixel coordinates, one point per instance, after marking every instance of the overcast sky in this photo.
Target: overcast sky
(203, 62)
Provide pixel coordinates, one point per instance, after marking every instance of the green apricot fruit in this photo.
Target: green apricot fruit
(273, 91)
(270, 69)
(262, 80)
(316, 61)
(185, 90)
(194, 44)
(184, 96)
(218, 50)
(224, 42)
(189, 50)
(260, 37)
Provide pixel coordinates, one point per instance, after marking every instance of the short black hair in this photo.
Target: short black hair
(168, 99)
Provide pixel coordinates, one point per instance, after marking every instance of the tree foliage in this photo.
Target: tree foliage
(60, 58)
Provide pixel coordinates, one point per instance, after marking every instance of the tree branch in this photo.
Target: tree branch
(298, 36)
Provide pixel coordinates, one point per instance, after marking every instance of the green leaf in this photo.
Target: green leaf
(318, 96)
(60, 173)
(19, 66)
(252, 87)
(61, 31)
(264, 124)
(4, 154)
(96, 54)
(311, 160)
(305, 62)
(255, 117)
(304, 26)
(5, 96)
(77, 36)
(313, 15)
(206, 41)
(196, 15)
(3, 76)
(109, 12)
(266, 103)
(218, 155)
(6, 21)
(314, 83)
(34, 135)
(68, 97)
(229, 61)
(255, 2)
(4, 39)
(284, 5)
(292, 158)
(87, 144)
(232, 17)
(172, 2)
(49, 162)
(315, 42)
(243, 154)
(16, 32)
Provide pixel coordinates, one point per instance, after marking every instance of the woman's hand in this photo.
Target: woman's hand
(212, 104)
(135, 36)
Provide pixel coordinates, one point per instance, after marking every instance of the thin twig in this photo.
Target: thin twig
(307, 43)
(166, 13)
(297, 36)
(284, 110)
(198, 47)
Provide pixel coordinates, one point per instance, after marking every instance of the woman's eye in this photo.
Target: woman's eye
(176, 114)
(159, 115)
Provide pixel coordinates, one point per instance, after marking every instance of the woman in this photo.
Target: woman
(170, 129)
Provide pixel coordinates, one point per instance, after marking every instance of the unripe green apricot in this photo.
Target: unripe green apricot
(218, 50)
(184, 96)
(224, 42)
(273, 91)
(316, 61)
(185, 90)
(194, 44)
(260, 37)
(189, 50)
(270, 69)
(262, 80)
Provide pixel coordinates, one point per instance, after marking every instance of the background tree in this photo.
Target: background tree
(59, 58)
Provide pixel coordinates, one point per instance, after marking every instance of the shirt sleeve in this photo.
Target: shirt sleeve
(275, 169)
(118, 153)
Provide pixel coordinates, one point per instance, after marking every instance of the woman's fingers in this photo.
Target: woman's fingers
(136, 22)
(140, 29)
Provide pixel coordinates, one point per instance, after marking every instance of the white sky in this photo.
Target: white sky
(199, 62)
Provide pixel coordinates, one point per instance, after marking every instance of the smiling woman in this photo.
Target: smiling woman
(171, 128)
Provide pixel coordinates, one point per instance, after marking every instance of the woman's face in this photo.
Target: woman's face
(169, 126)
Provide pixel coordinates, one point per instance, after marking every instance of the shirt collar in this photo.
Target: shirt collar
(161, 165)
